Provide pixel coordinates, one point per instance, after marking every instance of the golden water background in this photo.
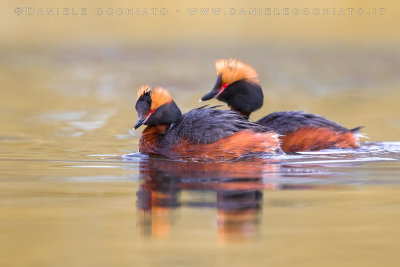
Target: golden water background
(68, 87)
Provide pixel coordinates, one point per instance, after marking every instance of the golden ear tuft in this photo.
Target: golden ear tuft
(233, 70)
(159, 97)
(142, 90)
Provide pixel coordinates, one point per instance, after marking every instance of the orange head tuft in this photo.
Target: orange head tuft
(233, 70)
(149, 101)
(143, 90)
(159, 95)
(237, 85)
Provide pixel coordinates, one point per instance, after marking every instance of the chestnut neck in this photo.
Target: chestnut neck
(149, 141)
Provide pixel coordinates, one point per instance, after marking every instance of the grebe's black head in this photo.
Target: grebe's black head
(237, 85)
(156, 107)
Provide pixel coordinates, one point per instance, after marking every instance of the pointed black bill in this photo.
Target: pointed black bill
(209, 96)
(215, 90)
(138, 123)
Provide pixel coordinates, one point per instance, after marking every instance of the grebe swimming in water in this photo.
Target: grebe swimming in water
(238, 85)
(204, 134)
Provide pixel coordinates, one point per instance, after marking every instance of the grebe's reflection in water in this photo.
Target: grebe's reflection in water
(238, 187)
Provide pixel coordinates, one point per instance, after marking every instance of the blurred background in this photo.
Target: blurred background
(75, 72)
(68, 89)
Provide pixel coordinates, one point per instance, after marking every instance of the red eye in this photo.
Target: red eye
(225, 85)
(152, 111)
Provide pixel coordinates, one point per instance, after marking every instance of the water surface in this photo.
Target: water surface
(75, 192)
